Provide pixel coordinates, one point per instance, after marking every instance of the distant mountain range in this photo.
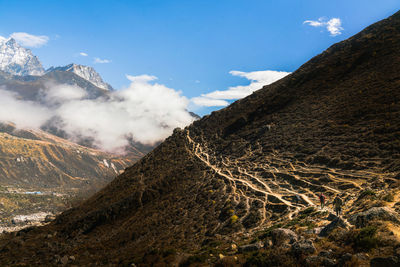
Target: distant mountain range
(19, 61)
(22, 72)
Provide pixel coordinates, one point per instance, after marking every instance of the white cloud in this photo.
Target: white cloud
(146, 112)
(141, 78)
(29, 40)
(24, 114)
(58, 94)
(83, 54)
(204, 101)
(258, 80)
(315, 23)
(334, 25)
(101, 61)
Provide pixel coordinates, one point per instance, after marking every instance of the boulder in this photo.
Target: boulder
(326, 254)
(362, 219)
(49, 218)
(268, 243)
(64, 260)
(345, 258)
(361, 256)
(251, 247)
(282, 236)
(391, 261)
(328, 262)
(303, 247)
(320, 261)
(336, 223)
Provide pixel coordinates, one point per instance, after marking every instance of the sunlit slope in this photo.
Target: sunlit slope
(36, 159)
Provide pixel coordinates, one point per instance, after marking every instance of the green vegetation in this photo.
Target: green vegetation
(234, 218)
(388, 197)
(267, 232)
(367, 193)
(365, 239)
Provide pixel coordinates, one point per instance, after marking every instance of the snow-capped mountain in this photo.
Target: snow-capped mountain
(18, 60)
(87, 73)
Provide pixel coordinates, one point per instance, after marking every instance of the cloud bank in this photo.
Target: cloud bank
(257, 79)
(334, 25)
(83, 54)
(30, 40)
(145, 111)
(24, 114)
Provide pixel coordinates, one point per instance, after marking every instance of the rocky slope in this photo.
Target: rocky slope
(214, 192)
(18, 60)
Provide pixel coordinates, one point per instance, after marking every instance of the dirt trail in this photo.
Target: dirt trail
(278, 183)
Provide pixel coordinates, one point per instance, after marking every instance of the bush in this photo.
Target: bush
(193, 259)
(367, 193)
(365, 239)
(388, 198)
(276, 257)
(234, 218)
(267, 232)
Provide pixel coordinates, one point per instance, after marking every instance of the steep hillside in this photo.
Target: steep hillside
(333, 126)
(42, 173)
(40, 160)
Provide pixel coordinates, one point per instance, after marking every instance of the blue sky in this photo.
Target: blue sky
(190, 46)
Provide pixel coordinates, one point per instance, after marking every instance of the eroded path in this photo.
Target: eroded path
(274, 184)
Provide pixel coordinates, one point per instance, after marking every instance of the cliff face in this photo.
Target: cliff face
(332, 126)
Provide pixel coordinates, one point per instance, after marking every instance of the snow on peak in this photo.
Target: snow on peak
(87, 73)
(18, 60)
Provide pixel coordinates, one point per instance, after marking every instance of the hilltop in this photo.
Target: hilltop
(221, 190)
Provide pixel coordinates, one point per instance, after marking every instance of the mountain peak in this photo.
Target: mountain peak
(86, 72)
(18, 60)
(11, 41)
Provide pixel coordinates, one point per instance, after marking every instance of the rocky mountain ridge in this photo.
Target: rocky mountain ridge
(18, 60)
(86, 72)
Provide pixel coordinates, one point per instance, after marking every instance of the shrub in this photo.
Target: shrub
(308, 210)
(365, 239)
(275, 257)
(234, 218)
(267, 232)
(367, 193)
(193, 259)
(388, 197)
